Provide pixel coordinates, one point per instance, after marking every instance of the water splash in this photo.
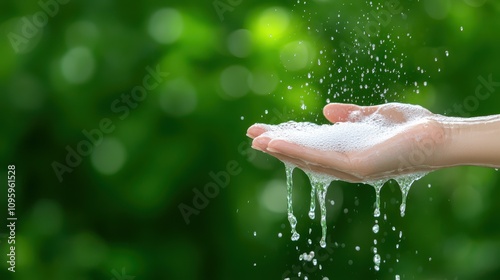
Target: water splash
(322, 188)
(289, 186)
(377, 185)
(319, 185)
(312, 207)
(405, 183)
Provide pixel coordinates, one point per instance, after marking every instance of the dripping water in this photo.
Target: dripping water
(289, 187)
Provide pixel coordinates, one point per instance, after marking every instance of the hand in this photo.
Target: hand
(415, 146)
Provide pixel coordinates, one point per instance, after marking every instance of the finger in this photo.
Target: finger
(315, 168)
(339, 112)
(256, 130)
(327, 159)
(260, 143)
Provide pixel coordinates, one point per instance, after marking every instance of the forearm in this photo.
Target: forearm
(471, 141)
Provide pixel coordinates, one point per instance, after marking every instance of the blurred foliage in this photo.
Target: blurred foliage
(231, 65)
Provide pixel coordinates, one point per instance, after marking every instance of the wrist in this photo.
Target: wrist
(470, 141)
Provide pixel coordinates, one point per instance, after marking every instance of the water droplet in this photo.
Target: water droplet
(306, 256)
(405, 183)
(376, 261)
(357, 248)
(312, 207)
(378, 186)
(291, 217)
(375, 228)
(321, 198)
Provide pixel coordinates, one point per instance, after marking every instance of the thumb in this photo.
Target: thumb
(338, 112)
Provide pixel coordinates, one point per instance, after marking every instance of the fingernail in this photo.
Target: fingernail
(262, 140)
(271, 147)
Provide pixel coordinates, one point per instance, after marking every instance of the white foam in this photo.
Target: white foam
(357, 133)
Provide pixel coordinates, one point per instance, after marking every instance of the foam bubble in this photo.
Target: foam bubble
(359, 132)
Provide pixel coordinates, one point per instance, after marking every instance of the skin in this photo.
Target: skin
(433, 142)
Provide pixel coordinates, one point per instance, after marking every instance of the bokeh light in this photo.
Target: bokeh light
(271, 25)
(234, 81)
(166, 25)
(109, 156)
(239, 43)
(78, 65)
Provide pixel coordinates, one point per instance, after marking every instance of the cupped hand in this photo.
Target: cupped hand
(417, 143)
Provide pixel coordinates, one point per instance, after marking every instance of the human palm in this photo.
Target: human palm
(413, 147)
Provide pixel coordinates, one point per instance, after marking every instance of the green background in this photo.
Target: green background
(116, 214)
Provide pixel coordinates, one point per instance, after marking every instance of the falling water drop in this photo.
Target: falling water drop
(312, 207)
(376, 261)
(289, 185)
(378, 186)
(405, 183)
(321, 183)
